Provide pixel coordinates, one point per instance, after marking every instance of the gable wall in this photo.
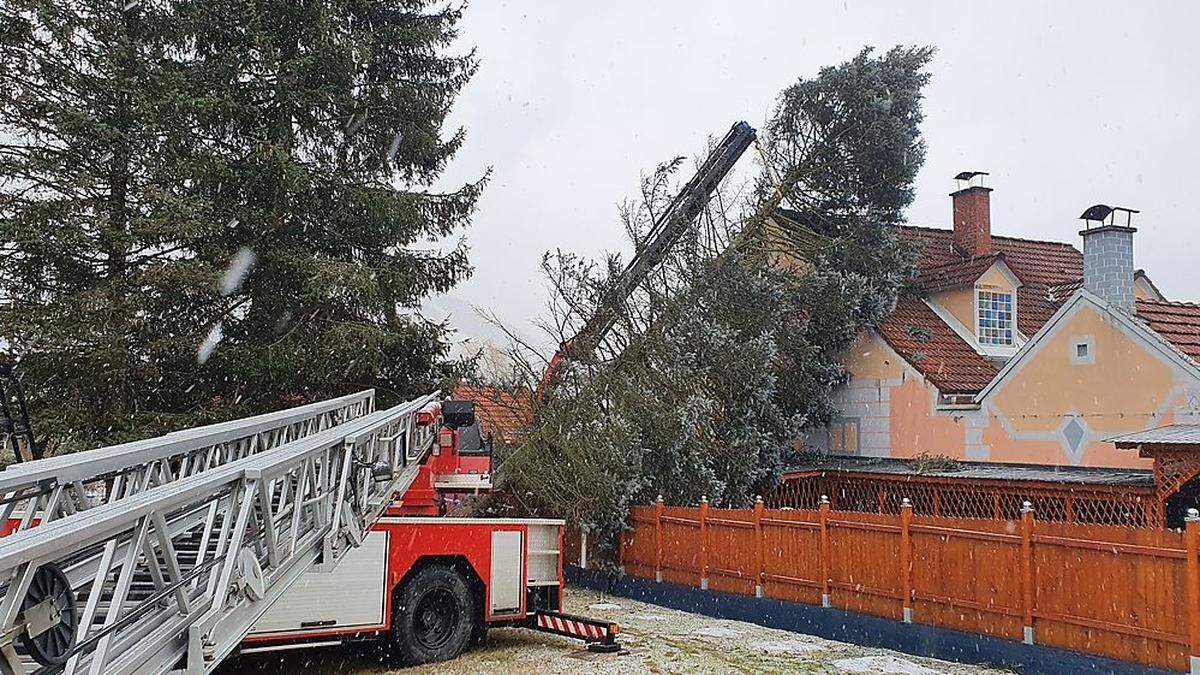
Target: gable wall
(959, 303)
(1144, 290)
(1055, 398)
(893, 406)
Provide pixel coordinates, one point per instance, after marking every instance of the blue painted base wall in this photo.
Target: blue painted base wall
(853, 627)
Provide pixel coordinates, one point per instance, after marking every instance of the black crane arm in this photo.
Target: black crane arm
(663, 235)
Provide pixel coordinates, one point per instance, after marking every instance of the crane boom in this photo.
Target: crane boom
(662, 237)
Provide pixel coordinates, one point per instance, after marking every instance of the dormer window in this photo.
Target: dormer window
(996, 320)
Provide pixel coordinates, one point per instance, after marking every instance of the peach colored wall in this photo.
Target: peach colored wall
(995, 278)
(871, 358)
(1142, 290)
(960, 303)
(915, 428)
(1004, 448)
(1119, 392)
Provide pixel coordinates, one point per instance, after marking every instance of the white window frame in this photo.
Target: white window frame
(986, 347)
(1087, 340)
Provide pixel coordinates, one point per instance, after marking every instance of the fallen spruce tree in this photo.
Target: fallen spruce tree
(728, 351)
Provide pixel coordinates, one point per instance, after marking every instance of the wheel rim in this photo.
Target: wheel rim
(435, 618)
(52, 647)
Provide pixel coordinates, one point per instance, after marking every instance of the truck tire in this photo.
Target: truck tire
(434, 616)
(479, 634)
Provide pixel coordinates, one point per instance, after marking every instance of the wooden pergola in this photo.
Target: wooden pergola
(1175, 449)
(990, 490)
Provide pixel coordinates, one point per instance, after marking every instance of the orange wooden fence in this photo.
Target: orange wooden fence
(1120, 592)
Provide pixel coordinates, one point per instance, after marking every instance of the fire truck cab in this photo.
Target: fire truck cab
(431, 584)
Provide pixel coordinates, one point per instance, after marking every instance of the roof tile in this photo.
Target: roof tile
(937, 352)
(1177, 322)
(1038, 264)
(499, 411)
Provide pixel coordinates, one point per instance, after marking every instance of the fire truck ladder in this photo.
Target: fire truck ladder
(654, 249)
(48, 489)
(171, 577)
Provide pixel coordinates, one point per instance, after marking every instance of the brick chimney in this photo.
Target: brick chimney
(973, 220)
(1108, 255)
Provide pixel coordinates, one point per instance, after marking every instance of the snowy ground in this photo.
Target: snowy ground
(658, 640)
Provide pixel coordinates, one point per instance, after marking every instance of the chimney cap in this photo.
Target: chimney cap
(970, 180)
(968, 175)
(1102, 212)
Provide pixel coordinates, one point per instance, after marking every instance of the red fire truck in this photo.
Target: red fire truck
(433, 584)
(427, 583)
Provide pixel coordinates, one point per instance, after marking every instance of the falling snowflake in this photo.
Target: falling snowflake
(395, 147)
(356, 121)
(235, 273)
(210, 343)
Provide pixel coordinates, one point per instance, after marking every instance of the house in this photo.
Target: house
(501, 412)
(1016, 356)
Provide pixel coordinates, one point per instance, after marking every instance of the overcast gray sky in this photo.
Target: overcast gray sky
(1066, 104)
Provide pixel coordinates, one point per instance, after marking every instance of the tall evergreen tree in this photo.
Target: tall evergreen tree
(97, 222)
(848, 143)
(215, 208)
(324, 120)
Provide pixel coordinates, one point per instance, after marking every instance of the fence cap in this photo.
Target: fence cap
(1193, 514)
(906, 503)
(758, 499)
(704, 499)
(824, 499)
(1026, 505)
(659, 498)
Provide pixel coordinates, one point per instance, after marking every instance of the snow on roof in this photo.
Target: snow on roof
(1171, 434)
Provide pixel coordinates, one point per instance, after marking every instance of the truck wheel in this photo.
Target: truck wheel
(434, 616)
(479, 633)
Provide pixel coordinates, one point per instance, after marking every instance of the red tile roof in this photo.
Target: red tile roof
(937, 352)
(1177, 322)
(947, 360)
(1040, 266)
(499, 411)
(949, 275)
(1039, 263)
(1049, 272)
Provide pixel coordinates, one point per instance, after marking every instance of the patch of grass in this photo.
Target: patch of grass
(930, 462)
(918, 333)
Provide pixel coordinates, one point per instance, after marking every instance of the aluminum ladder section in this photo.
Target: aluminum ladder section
(47, 489)
(213, 551)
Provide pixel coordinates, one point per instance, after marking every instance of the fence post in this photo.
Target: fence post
(1191, 538)
(906, 514)
(658, 516)
(704, 543)
(823, 512)
(760, 572)
(1027, 592)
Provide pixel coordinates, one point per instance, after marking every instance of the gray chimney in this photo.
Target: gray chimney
(1108, 255)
